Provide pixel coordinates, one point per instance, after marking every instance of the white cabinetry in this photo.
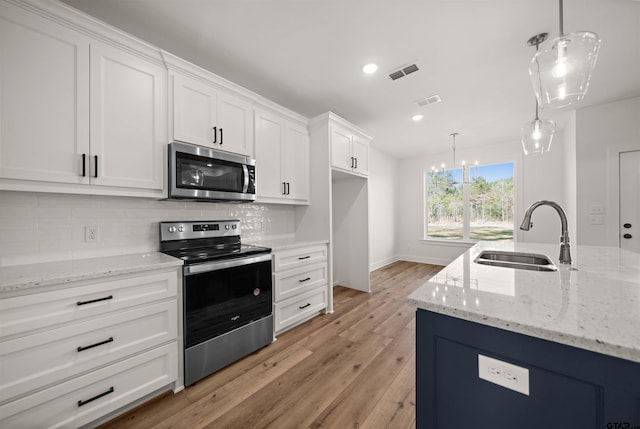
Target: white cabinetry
(128, 111)
(300, 284)
(70, 356)
(349, 150)
(207, 116)
(282, 159)
(78, 111)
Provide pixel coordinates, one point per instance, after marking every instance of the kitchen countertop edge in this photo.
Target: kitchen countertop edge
(26, 278)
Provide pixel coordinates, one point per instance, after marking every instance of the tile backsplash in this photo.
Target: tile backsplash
(40, 227)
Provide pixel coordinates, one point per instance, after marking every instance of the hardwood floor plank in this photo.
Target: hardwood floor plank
(369, 386)
(397, 408)
(352, 368)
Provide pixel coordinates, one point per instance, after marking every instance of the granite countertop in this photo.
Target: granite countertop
(22, 278)
(594, 304)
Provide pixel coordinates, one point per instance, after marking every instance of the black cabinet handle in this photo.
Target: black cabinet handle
(356, 162)
(304, 306)
(288, 188)
(215, 135)
(304, 280)
(627, 236)
(221, 137)
(284, 188)
(95, 164)
(85, 402)
(94, 300)
(627, 225)
(107, 341)
(304, 257)
(84, 165)
(352, 163)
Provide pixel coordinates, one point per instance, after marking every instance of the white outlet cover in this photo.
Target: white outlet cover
(504, 374)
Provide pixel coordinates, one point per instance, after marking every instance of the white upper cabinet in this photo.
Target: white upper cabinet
(349, 150)
(44, 99)
(207, 116)
(128, 117)
(282, 159)
(77, 114)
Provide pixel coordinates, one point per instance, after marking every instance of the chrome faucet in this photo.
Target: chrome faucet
(565, 254)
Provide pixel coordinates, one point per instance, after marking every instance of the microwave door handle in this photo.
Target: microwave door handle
(245, 173)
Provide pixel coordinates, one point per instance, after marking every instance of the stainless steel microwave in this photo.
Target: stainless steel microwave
(204, 174)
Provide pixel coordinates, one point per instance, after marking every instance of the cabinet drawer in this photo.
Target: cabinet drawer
(298, 257)
(293, 282)
(35, 361)
(298, 309)
(29, 312)
(86, 398)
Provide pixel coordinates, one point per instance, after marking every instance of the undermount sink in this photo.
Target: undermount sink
(519, 260)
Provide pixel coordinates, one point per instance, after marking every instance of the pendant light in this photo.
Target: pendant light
(465, 178)
(560, 72)
(536, 136)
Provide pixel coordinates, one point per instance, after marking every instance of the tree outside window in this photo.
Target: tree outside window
(478, 208)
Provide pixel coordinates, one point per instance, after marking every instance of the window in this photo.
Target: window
(472, 204)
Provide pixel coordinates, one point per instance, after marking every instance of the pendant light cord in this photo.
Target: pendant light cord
(561, 19)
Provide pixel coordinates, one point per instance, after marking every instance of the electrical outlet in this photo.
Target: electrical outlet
(596, 219)
(504, 374)
(91, 234)
(596, 209)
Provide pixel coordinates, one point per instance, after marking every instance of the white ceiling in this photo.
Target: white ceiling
(307, 55)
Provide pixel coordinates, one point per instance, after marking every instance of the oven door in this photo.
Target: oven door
(224, 295)
(201, 173)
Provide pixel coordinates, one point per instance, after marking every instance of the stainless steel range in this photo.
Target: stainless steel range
(227, 298)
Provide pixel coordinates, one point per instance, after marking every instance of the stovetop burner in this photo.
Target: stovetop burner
(204, 241)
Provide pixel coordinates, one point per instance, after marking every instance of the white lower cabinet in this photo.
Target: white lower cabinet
(300, 284)
(74, 354)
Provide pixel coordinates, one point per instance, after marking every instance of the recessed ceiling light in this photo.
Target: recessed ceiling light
(417, 117)
(370, 68)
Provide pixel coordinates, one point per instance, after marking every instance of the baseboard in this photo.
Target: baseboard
(383, 263)
(425, 260)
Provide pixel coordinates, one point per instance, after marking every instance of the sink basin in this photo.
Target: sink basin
(519, 260)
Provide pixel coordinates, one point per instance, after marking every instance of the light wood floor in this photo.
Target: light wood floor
(354, 368)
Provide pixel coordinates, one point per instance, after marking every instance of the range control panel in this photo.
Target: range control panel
(170, 231)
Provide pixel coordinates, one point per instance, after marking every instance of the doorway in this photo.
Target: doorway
(629, 200)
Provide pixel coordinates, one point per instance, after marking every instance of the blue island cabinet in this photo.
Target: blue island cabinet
(568, 387)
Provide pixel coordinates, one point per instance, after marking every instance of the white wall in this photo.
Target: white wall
(38, 227)
(536, 178)
(383, 208)
(602, 132)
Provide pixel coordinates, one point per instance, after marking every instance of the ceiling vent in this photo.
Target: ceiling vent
(432, 99)
(403, 71)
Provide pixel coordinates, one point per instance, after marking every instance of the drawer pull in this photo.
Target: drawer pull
(304, 257)
(94, 300)
(83, 348)
(304, 280)
(85, 402)
(304, 306)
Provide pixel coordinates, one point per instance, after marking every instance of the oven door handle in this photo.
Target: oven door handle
(227, 263)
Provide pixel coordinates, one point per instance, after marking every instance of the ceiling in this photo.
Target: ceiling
(307, 55)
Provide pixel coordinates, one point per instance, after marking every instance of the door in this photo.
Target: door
(128, 111)
(269, 157)
(630, 201)
(296, 162)
(360, 151)
(194, 111)
(44, 99)
(341, 148)
(235, 118)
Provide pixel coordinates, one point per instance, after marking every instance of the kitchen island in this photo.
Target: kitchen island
(563, 347)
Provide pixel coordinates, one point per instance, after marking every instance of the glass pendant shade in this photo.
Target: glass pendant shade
(536, 136)
(560, 72)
